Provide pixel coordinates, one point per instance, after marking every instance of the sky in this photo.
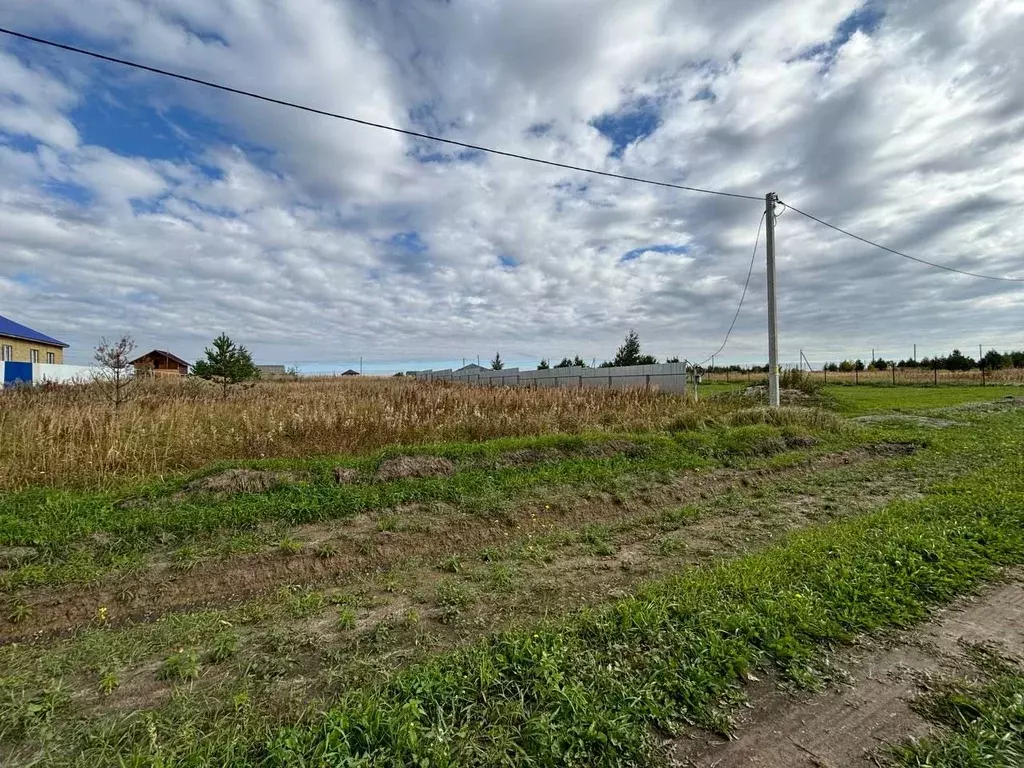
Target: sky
(131, 203)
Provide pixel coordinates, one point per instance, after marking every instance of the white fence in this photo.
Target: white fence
(668, 377)
(39, 373)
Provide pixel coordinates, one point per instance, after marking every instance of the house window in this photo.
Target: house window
(35, 355)
(7, 353)
(50, 357)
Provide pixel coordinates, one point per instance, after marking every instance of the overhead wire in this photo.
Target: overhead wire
(904, 255)
(743, 296)
(367, 123)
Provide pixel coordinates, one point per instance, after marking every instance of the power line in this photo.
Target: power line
(743, 296)
(359, 121)
(904, 255)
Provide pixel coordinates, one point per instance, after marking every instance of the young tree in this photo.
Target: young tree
(226, 364)
(566, 363)
(671, 359)
(544, 365)
(497, 363)
(858, 365)
(629, 353)
(880, 365)
(579, 362)
(116, 373)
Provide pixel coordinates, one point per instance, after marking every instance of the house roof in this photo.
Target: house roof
(23, 332)
(163, 352)
(472, 367)
(350, 372)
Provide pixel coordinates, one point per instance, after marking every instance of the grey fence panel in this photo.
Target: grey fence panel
(667, 377)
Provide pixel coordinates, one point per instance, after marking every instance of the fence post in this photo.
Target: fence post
(825, 371)
(983, 375)
(856, 376)
(894, 374)
(935, 370)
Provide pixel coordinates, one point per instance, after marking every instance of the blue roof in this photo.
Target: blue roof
(19, 331)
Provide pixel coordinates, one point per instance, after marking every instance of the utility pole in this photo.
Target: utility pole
(360, 365)
(979, 354)
(915, 353)
(773, 331)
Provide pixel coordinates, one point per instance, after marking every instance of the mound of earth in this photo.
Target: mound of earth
(241, 481)
(526, 457)
(403, 467)
(785, 395)
(346, 475)
(611, 448)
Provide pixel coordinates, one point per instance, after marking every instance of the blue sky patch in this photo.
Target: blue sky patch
(630, 125)
(865, 19)
(68, 191)
(636, 253)
(408, 242)
(507, 261)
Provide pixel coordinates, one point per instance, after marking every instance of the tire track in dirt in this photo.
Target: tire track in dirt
(149, 594)
(848, 726)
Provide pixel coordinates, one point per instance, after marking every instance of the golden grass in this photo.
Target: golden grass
(70, 437)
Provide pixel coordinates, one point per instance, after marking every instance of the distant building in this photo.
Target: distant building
(159, 362)
(20, 344)
(472, 368)
(350, 372)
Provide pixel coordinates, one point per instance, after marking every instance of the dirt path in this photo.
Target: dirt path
(847, 726)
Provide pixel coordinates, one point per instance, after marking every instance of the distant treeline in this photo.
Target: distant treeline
(955, 361)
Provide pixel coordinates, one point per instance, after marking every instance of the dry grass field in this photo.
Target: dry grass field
(70, 437)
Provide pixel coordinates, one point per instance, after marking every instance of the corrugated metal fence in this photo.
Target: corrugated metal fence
(668, 377)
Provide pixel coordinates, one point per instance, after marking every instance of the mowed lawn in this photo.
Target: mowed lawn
(860, 400)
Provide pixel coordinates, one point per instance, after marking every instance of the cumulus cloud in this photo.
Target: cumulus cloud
(134, 203)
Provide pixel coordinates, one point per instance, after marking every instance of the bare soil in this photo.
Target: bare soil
(403, 467)
(241, 481)
(850, 724)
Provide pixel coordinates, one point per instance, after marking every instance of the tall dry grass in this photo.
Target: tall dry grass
(70, 437)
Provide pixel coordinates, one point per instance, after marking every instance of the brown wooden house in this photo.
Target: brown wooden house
(160, 363)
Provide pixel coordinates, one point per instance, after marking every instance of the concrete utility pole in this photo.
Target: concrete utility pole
(773, 331)
(915, 353)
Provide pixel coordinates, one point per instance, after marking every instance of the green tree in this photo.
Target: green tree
(993, 360)
(497, 363)
(544, 365)
(672, 360)
(629, 353)
(566, 363)
(579, 362)
(880, 365)
(958, 361)
(226, 364)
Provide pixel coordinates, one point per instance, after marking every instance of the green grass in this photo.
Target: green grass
(117, 537)
(594, 688)
(857, 401)
(983, 726)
